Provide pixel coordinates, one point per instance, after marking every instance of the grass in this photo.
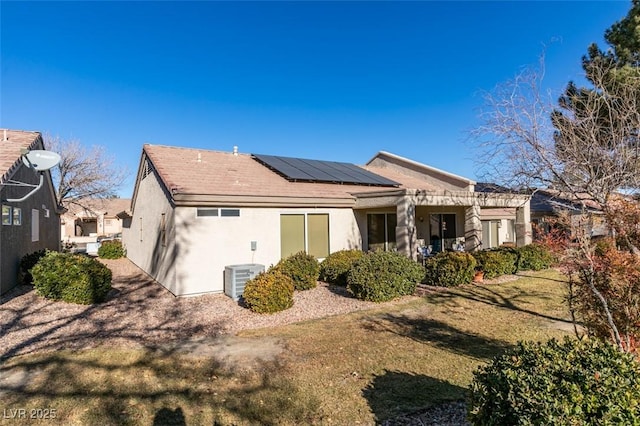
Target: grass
(359, 368)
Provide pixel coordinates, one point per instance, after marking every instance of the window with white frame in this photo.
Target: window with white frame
(7, 215)
(217, 212)
(17, 216)
(307, 232)
(11, 215)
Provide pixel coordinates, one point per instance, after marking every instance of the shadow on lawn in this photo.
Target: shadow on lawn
(395, 393)
(439, 334)
(517, 301)
(100, 387)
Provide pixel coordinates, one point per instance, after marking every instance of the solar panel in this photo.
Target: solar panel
(300, 169)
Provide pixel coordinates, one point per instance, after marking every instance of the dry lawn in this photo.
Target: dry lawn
(361, 368)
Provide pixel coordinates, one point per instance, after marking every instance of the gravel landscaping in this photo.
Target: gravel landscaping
(140, 312)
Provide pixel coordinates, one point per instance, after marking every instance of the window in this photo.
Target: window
(229, 212)
(443, 231)
(291, 234)
(7, 215)
(17, 216)
(318, 235)
(215, 212)
(206, 212)
(304, 232)
(11, 215)
(35, 225)
(490, 233)
(381, 231)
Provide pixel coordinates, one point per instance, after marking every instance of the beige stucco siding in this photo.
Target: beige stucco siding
(208, 244)
(143, 240)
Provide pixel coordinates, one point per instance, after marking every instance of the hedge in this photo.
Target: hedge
(574, 382)
(72, 278)
(382, 276)
(449, 269)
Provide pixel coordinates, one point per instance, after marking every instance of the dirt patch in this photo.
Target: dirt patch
(230, 350)
(17, 379)
(567, 326)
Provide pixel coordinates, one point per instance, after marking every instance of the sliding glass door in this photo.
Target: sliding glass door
(381, 231)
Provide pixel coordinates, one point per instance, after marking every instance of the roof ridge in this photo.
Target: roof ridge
(217, 151)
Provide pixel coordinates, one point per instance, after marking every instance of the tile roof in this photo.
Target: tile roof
(11, 149)
(107, 206)
(204, 172)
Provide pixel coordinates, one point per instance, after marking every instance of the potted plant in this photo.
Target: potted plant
(478, 277)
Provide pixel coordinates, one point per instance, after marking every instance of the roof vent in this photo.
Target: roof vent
(5, 138)
(235, 150)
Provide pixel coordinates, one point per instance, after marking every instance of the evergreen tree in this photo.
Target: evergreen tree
(601, 122)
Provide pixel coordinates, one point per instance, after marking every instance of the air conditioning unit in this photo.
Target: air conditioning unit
(236, 276)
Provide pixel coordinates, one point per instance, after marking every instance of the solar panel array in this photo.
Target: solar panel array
(299, 169)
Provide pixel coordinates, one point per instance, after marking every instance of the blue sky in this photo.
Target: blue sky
(324, 80)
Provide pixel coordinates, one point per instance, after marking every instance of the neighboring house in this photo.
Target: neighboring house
(547, 204)
(196, 211)
(95, 217)
(29, 225)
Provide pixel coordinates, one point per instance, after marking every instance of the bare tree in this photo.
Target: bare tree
(514, 141)
(83, 173)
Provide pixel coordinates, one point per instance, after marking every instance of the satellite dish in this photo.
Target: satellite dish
(41, 160)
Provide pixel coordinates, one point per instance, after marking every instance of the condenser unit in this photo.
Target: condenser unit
(236, 276)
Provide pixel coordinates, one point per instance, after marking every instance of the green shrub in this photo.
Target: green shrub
(382, 276)
(302, 268)
(27, 262)
(450, 269)
(269, 292)
(534, 257)
(496, 262)
(576, 382)
(72, 278)
(111, 249)
(335, 268)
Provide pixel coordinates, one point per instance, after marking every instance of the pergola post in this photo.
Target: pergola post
(523, 225)
(406, 239)
(472, 228)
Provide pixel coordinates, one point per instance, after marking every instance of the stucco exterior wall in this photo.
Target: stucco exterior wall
(208, 244)
(143, 239)
(16, 240)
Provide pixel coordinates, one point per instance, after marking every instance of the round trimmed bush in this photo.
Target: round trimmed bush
(71, 278)
(302, 268)
(27, 262)
(496, 262)
(450, 269)
(576, 382)
(383, 275)
(111, 249)
(269, 292)
(335, 268)
(534, 257)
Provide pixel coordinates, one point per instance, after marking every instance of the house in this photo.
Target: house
(586, 214)
(95, 217)
(30, 224)
(196, 211)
